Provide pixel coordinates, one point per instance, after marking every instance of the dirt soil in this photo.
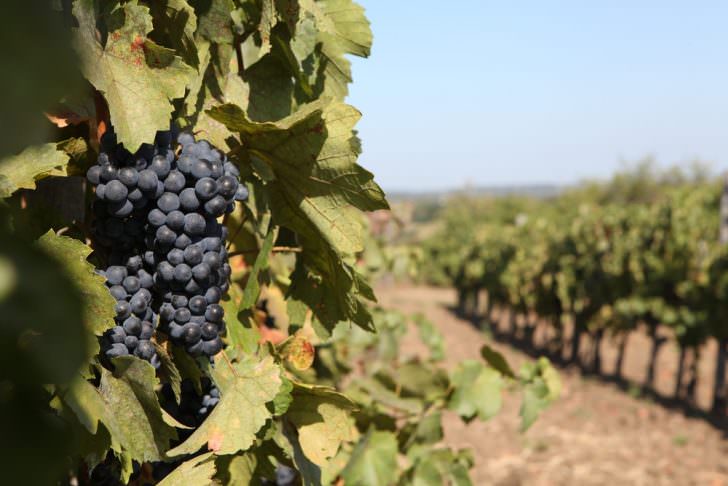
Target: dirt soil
(596, 434)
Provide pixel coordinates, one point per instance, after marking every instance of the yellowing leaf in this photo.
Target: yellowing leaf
(321, 416)
(23, 170)
(197, 471)
(138, 78)
(245, 389)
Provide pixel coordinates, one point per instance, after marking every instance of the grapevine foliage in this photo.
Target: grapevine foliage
(180, 225)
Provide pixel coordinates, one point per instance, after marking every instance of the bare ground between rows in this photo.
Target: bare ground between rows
(594, 435)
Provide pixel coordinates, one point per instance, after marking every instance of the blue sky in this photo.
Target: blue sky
(489, 93)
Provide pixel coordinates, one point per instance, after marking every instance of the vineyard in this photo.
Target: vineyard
(642, 252)
(185, 272)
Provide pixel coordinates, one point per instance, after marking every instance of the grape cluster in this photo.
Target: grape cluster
(156, 215)
(187, 243)
(131, 286)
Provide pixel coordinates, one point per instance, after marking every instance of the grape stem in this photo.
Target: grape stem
(275, 249)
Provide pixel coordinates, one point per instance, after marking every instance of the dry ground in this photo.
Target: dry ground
(596, 434)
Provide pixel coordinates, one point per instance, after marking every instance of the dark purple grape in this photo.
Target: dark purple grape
(212, 259)
(213, 295)
(191, 333)
(145, 350)
(188, 200)
(206, 188)
(107, 173)
(118, 292)
(176, 220)
(182, 315)
(131, 284)
(129, 177)
(166, 311)
(182, 273)
(147, 180)
(214, 313)
(201, 272)
(132, 326)
(161, 166)
(120, 209)
(212, 347)
(168, 202)
(227, 186)
(182, 241)
(193, 255)
(93, 175)
(175, 181)
(165, 236)
(209, 330)
(216, 206)
(197, 305)
(194, 224)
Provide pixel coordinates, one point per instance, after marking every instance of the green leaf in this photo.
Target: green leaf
(310, 472)
(242, 332)
(168, 371)
(138, 429)
(417, 379)
(431, 337)
(138, 78)
(342, 29)
(497, 361)
(283, 399)
(252, 288)
(477, 391)
(373, 461)
(42, 313)
(541, 386)
(176, 22)
(442, 466)
(98, 303)
(318, 192)
(321, 416)
(86, 402)
(23, 170)
(198, 471)
(237, 469)
(245, 389)
(215, 20)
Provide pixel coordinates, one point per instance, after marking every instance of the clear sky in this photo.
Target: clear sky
(514, 92)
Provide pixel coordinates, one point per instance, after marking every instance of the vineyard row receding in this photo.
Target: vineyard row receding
(642, 251)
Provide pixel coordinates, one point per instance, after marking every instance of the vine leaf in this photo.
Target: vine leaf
(342, 28)
(497, 361)
(242, 331)
(320, 415)
(373, 461)
(137, 426)
(36, 162)
(198, 470)
(215, 20)
(98, 304)
(318, 191)
(443, 466)
(138, 77)
(477, 391)
(30, 333)
(252, 288)
(541, 386)
(245, 389)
